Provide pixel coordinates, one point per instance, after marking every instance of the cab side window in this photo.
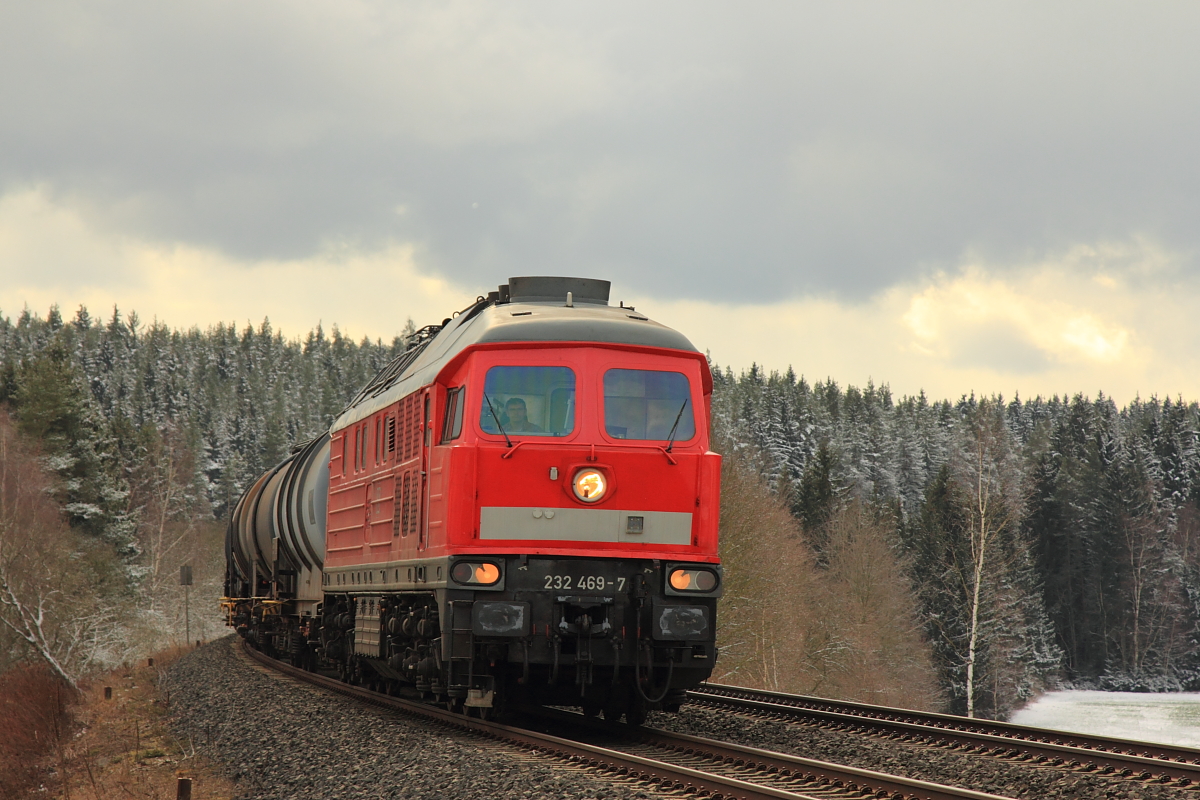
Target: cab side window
(452, 426)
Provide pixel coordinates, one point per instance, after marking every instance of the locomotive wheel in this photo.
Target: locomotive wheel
(616, 704)
(614, 707)
(592, 708)
(635, 714)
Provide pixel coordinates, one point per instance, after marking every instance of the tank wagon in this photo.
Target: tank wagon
(520, 508)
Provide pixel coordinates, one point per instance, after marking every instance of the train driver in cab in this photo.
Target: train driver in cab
(518, 417)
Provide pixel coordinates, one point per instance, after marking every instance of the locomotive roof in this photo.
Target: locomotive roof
(522, 320)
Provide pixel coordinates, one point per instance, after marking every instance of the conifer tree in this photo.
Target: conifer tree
(815, 500)
(54, 408)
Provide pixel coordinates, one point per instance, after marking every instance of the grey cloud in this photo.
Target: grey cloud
(686, 149)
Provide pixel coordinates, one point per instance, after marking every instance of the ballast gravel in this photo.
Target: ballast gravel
(280, 739)
(922, 762)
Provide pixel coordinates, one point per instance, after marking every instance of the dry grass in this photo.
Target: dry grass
(118, 748)
(34, 724)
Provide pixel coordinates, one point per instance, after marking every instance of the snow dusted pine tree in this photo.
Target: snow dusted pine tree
(1106, 540)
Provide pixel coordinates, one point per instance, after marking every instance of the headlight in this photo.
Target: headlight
(693, 580)
(589, 485)
(475, 573)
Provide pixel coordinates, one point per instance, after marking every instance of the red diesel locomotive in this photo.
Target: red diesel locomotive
(522, 507)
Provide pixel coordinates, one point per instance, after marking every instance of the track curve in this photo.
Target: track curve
(1140, 760)
(668, 761)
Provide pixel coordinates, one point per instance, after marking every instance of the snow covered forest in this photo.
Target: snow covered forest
(1045, 539)
(961, 554)
(146, 437)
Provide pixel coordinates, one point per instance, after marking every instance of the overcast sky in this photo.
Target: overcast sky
(952, 197)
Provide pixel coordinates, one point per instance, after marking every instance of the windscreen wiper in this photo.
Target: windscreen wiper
(508, 441)
(679, 416)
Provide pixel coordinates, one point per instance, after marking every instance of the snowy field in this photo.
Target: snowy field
(1168, 718)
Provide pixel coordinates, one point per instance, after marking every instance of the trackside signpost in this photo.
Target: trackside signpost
(185, 580)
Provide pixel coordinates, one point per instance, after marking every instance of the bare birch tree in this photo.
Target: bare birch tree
(166, 502)
(47, 599)
(27, 519)
(988, 472)
(847, 630)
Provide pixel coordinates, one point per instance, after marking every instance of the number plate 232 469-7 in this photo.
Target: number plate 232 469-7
(586, 583)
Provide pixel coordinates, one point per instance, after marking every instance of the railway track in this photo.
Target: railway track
(1160, 763)
(668, 762)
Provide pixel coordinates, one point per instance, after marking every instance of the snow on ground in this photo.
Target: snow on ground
(1167, 718)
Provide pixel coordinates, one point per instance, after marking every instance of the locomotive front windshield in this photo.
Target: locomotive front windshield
(530, 401)
(647, 404)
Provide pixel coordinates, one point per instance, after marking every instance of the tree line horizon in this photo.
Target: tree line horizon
(1034, 543)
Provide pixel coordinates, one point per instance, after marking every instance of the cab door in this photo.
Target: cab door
(426, 398)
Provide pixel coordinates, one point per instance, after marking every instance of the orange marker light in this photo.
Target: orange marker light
(475, 573)
(681, 579)
(589, 485)
(487, 573)
(693, 580)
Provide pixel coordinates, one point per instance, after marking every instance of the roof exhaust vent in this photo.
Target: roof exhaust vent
(545, 288)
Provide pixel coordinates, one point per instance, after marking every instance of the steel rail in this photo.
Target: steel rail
(789, 767)
(665, 775)
(1126, 757)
